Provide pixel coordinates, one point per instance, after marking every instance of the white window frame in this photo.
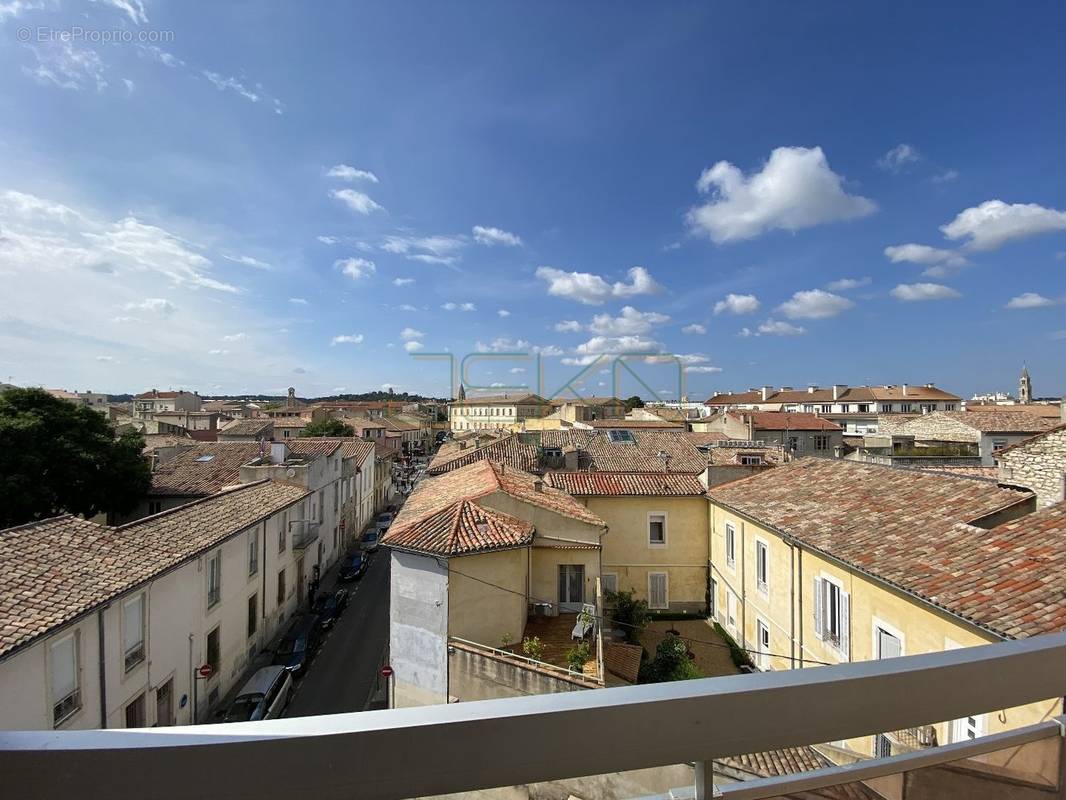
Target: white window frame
(891, 630)
(731, 546)
(132, 651)
(762, 582)
(214, 557)
(842, 644)
(663, 543)
(666, 591)
(959, 729)
(732, 609)
(74, 696)
(253, 552)
(603, 582)
(762, 656)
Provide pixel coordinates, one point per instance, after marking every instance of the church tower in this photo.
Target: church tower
(462, 392)
(1025, 387)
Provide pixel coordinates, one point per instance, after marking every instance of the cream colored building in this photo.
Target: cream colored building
(499, 411)
(821, 562)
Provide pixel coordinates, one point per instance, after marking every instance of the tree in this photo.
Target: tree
(633, 402)
(58, 457)
(328, 427)
(671, 663)
(628, 613)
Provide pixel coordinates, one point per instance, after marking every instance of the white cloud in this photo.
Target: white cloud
(694, 328)
(703, 369)
(410, 333)
(130, 85)
(348, 173)
(134, 9)
(617, 344)
(413, 346)
(428, 258)
(61, 64)
(844, 284)
(436, 249)
(235, 337)
(502, 344)
(912, 292)
(356, 201)
(153, 53)
(567, 326)
(328, 239)
(354, 338)
(737, 304)
(899, 157)
(774, 327)
(814, 304)
(218, 352)
(494, 236)
(945, 176)
(406, 307)
(630, 321)
(355, 268)
(584, 287)
(795, 189)
(402, 281)
(450, 306)
(503, 313)
(107, 360)
(157, 305)
(939, 263)
(517, 370)
(994, 223)
(13, 8)
(548, 351)
(300, 301)
(248, 261)
(1029, 300)
(255, 95)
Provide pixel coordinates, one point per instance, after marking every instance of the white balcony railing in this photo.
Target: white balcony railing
(478, 745)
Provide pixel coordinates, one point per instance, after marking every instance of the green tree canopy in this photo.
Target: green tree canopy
(671, 662)
(328, 427)
(633, 402)
(58, 457)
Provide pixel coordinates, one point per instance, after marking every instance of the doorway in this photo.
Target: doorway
(571, 587)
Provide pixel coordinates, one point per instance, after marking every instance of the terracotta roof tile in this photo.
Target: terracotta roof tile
(626, 424)
(202, 469)
(461, 528)
(788, 421)
(998, 421)
(58, 569)
(247, 427)
(603, 484)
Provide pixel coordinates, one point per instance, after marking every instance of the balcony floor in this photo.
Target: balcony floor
(554, 634)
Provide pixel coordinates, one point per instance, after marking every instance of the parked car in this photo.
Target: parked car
(329, 607)
(298, 646)
(352, 567)
(264, 696)
(385, 519)
(371, 540)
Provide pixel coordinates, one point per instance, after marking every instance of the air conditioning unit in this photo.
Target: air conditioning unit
(544, 610)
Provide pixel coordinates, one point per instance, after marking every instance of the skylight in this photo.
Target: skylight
(204, 458)
(621, 436)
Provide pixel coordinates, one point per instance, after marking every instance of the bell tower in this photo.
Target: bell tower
(1025, 387)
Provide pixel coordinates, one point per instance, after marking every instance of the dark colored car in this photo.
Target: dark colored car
(352, 567)
(298, 646)
(329, 607)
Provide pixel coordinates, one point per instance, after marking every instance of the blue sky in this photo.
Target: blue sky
(245, 196)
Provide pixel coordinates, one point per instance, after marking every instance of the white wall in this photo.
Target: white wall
(418, 629)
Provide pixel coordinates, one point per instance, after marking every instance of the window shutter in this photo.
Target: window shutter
(845, 624)
(819, 631)
(64, 679)
(132, 624)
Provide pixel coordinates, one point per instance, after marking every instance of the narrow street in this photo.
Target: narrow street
(345, 671)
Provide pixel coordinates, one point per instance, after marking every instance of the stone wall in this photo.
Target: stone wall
(1039, 465)
(481, 674)
(938, 428)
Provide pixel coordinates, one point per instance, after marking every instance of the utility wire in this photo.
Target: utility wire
(604, 619)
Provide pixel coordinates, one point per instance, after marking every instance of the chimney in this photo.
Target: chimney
(904, 388)
(538, 486)
(812, 388)
(839, 389)
(766, 391)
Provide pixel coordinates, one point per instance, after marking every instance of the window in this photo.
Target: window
(751, 461)
(949, 406)
(762, 642)
(135, 712)
(730, 545)
(283, 532)
(609, 583)
(658, 596)
(335, 500)
(133, 631)
(905, 407)
(214, 649)
(731, 609)
(657, 530)
(762, 566)
(998, 444)
(832, 614)
(968, 728)
(164, 704)
(886, 408)
(253, 552)
(253, 615)
(821, 441)
(214, 578)
(335, 536)
(827, 408)
(793, 443)
(621, 436)
(154, 506)
(281, 587)
(928, 408)
(808, 408)
(66, 694)
(203, 459)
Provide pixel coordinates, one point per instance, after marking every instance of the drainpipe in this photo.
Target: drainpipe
(799, 559)
(192, 678)
(102, 668)
(792, 605)
(743, 586)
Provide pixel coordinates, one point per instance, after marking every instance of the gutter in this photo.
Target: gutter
(102, 655)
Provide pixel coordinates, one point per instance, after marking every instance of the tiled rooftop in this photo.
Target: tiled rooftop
(905, 527)
(999, 421)
(55, 570)
(626, 424)
(602, 484)
(203, 469)
(1046, 410)
(787, 421)
(462, 528)
(246, 427)
(851, 394)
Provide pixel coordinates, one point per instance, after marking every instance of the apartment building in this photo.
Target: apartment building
(827, 561)
(110, 627)
(985, 433)
(469, 549)
(854, 408)
(94, 400)
(798, 433)
(586, 409)
(498, 411)
(147, 404)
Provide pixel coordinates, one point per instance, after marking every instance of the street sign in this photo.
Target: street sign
(205, 671)
(386, 671)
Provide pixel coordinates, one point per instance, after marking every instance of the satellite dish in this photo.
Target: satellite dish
(290, 473)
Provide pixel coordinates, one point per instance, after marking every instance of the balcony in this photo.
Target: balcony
(698, 726)
(304, 534)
